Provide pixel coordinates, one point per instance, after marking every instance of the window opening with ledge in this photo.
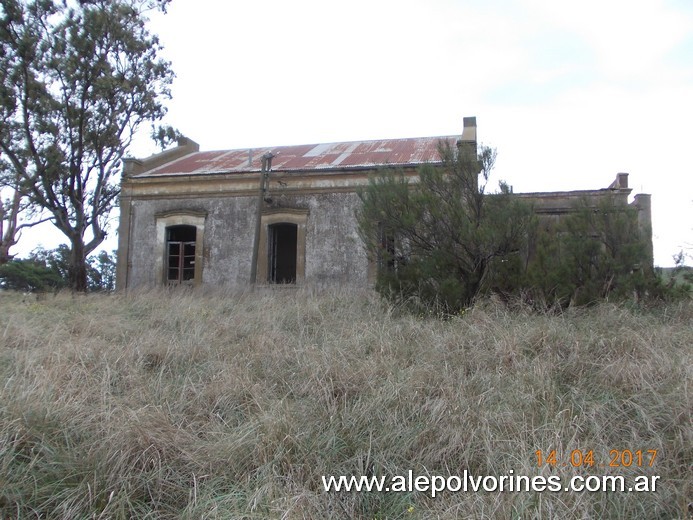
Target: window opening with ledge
(180, 240)
(180, 254)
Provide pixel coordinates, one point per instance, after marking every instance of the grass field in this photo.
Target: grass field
(180, 405)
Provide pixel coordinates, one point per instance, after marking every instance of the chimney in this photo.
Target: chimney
(469, 132)
(131, 166)
(620, 183)
(467, 141)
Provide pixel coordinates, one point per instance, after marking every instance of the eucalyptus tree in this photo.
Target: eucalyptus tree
(77, 79)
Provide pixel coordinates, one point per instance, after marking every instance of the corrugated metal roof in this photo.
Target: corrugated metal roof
(318, 157)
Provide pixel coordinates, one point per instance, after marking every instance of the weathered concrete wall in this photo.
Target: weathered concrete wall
(334, 253)
(326, 207)
(334, 250)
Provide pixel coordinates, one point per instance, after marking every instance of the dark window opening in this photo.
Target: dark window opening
(180, 254)
(388, 256)
(282, 253)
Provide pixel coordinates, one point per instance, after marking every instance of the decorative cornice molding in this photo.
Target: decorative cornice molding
(244, 185)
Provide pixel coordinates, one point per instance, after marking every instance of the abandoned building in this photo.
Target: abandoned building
(282, 215)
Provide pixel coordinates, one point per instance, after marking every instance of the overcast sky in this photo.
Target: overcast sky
(570, 93)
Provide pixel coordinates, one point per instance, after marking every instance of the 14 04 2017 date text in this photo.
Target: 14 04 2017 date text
(615, 459)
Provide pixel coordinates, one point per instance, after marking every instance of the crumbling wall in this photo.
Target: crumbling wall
(334, 254)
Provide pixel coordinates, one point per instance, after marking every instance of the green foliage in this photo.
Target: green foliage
(443, 241)
(102, 271)
(29, 276)
(592, 254)
(77, 80)
(57, 260)
(676, 282)
(682, 273)
(164, 136)
(46, 270)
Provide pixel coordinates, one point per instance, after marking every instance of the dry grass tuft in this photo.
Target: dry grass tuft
(182, 405)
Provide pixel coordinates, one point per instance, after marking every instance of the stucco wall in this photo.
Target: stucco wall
(324, 206)
(334, 253)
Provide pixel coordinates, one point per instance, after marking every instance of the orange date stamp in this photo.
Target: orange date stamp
(586, 458)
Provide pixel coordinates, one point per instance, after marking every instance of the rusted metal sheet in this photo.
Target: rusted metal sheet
(314, 157)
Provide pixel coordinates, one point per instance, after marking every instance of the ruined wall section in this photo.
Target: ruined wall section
(551, 207)
(334, 254)
(643, 203)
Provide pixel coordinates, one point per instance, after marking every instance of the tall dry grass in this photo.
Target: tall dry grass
(181, 405)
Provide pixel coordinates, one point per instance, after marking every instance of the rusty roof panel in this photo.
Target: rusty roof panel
(312, 157)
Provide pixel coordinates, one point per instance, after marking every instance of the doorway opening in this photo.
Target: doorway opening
(282, 253)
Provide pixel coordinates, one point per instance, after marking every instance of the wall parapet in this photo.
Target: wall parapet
(133, 166)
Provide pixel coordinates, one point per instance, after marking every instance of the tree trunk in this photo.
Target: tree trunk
(4, 253)
(77, 272)
(8, 226)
